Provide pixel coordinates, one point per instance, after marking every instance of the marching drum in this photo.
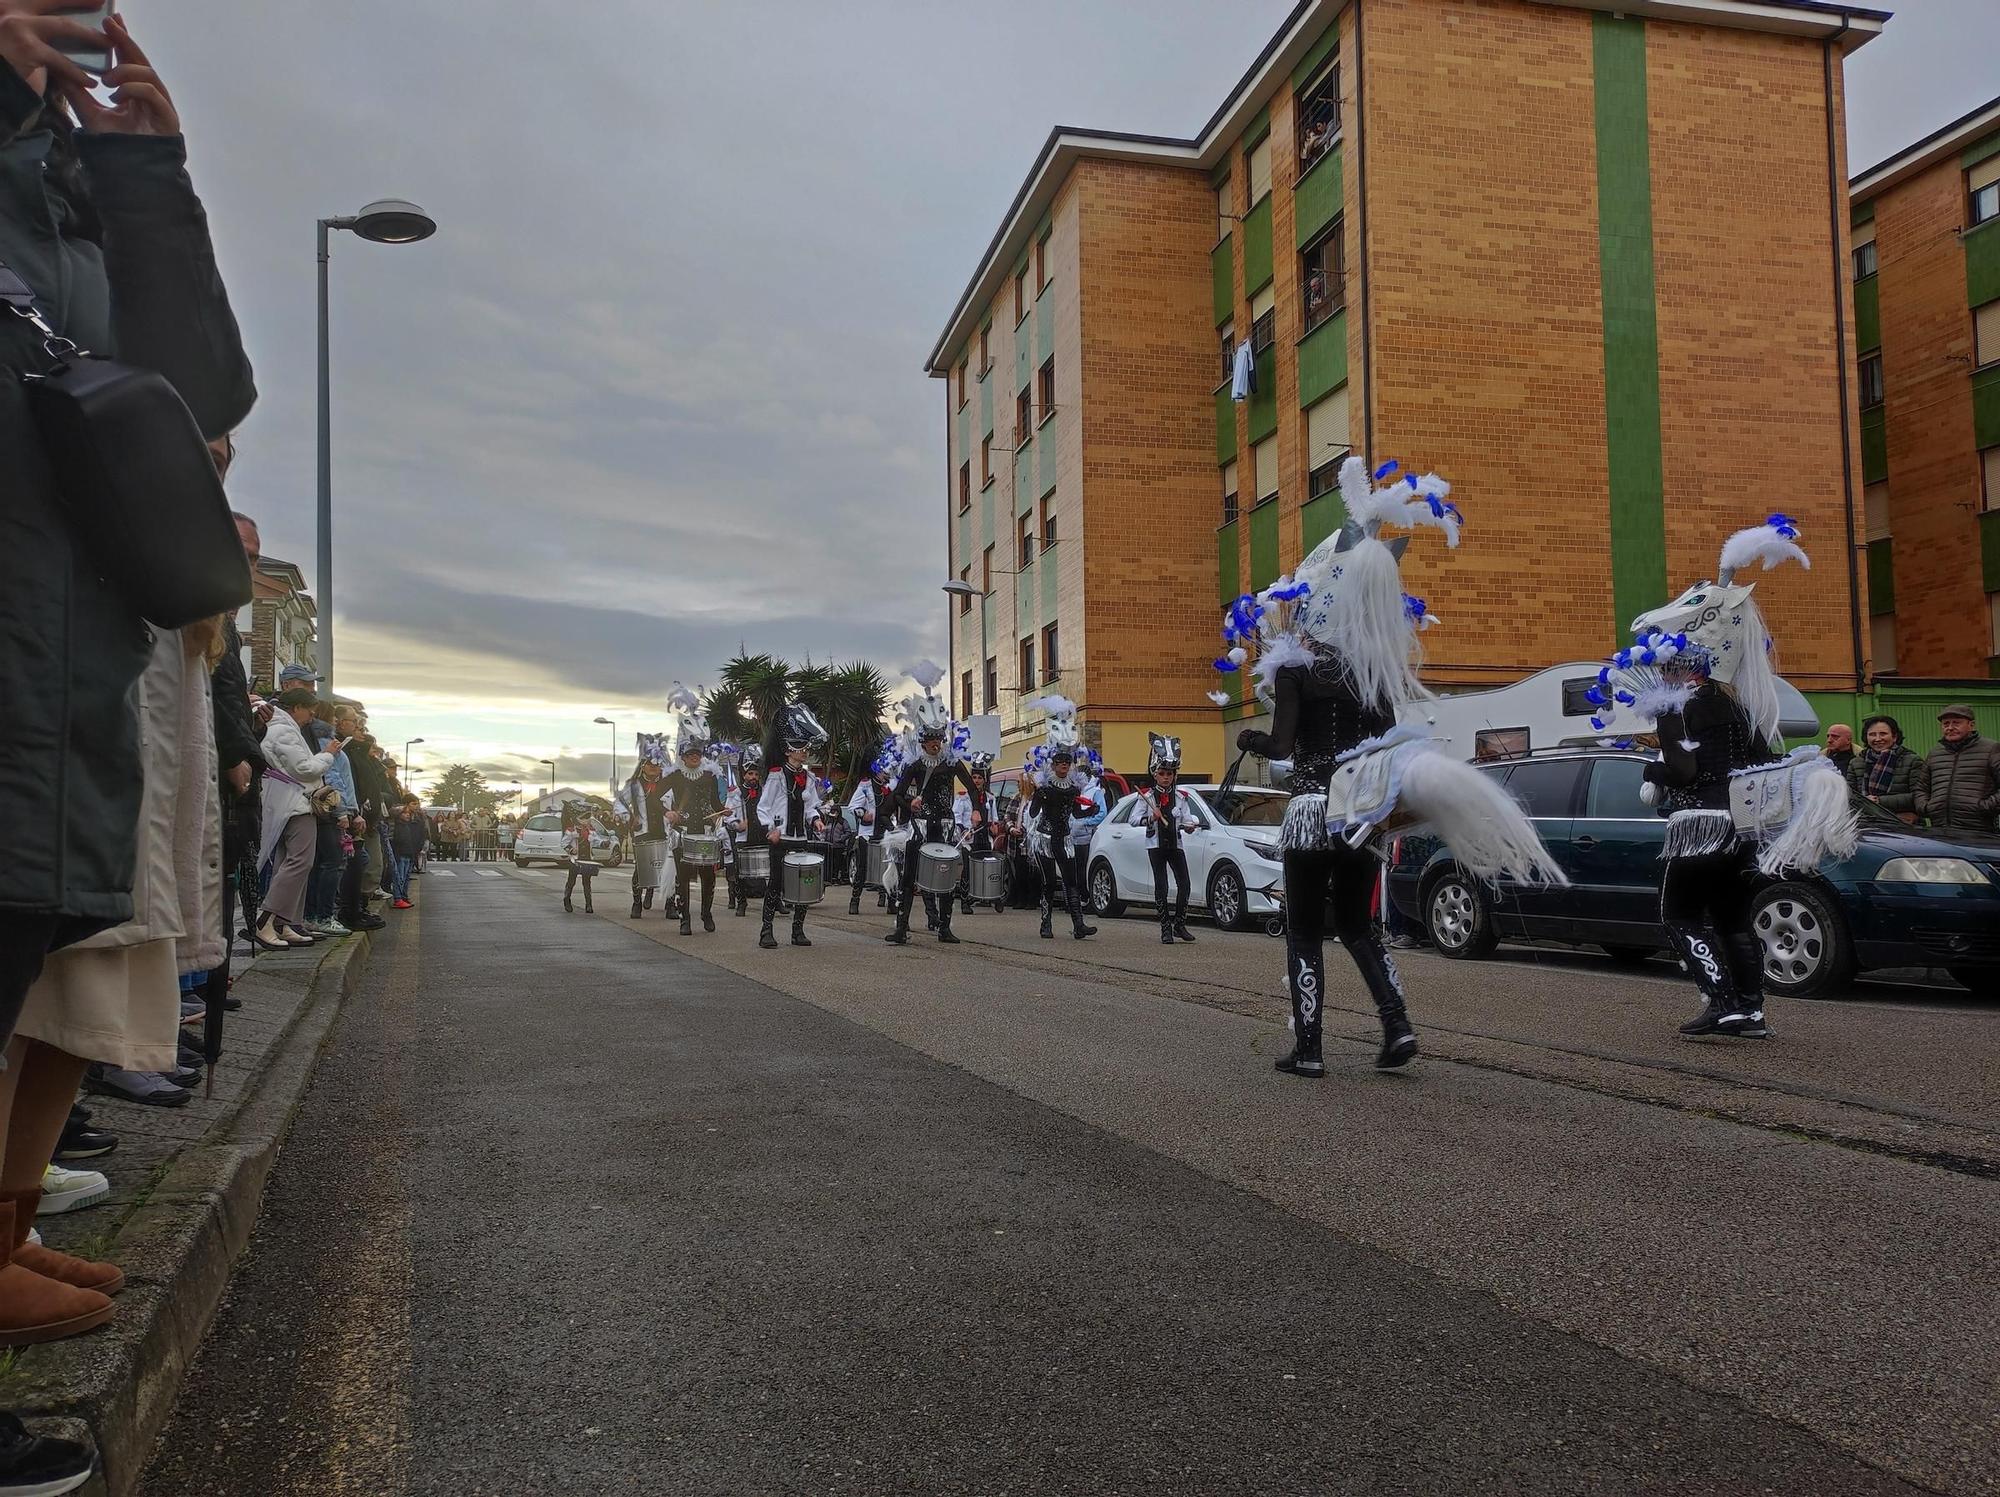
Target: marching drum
(753, 868)
(805, 878)
(650, 861)
(986, 878)
(939, 865)
(701, 850)
(878, 863)
(584, 869)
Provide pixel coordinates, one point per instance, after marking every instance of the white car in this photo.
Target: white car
(1234, 870)
(541, 841)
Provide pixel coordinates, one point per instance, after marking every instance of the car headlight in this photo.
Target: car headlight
(1931, 871)
(1268, 851)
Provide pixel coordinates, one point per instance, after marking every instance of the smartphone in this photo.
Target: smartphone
(90, 59)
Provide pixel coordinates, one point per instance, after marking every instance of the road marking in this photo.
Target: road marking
(439, 873)
(489, 873)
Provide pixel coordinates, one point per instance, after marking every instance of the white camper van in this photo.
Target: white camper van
(1549, 710)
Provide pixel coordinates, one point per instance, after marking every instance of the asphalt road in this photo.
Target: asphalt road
(579, 1205)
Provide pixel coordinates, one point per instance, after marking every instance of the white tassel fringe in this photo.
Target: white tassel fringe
(1481, 823)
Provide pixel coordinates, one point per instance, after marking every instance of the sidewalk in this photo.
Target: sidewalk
(185, 1188)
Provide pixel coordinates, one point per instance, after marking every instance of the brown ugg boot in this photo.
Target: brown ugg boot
(34, 1308)
(64, 1268)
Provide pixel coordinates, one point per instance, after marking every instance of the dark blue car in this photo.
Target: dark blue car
(1907, 898)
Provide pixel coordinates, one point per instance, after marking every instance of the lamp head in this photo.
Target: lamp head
(393, 221)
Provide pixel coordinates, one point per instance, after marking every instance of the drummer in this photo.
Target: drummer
(697, 808)
(739, 818)
(642, 805)
(926, 790)
(972, 811)
(870, 804)
(789, 811)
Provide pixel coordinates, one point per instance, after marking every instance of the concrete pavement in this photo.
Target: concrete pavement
(570, 1211)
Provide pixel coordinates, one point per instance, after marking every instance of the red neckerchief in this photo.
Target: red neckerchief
(799, 778)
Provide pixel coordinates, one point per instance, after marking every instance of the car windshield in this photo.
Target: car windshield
(1250, 808)
(544, 823)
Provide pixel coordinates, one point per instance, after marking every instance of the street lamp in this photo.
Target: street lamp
(614, 751)
(406, 760)
(388, 221)
(966, 590)
(552, 775)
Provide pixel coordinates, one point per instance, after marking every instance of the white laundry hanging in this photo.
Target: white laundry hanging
(1243, 380)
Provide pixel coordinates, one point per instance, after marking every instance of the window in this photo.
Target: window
(961, 384)
(986, 571)
(1259, 157)
(986, 350)
(1986, 333)
(1024, 416)
(1265, 455)
(1318, 114)
(1864, 251)
(986, 460)
(1499, 743)
(1871, 381)
(545, 823)
(1051, 656)
(1228, 338)
(1020, 295)
(1614, 791)
(1048, 520)
(1882, 642)
(1993, 622)
(1547, 790)
(1989, 479)
(992, 684)
(965, 694)
(1323, 276)
(1326, 443)
(1982, 186)
(1024, 539)
(1048, 387)
(965, 599)
(1028, 663)
(1263, 320)
(1224, 219)
(964, 487)
(1228, 493)
(1875, 506)
(1041, 264)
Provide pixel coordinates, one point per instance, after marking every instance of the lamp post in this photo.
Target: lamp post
(552, 775)
(388, 221)
(607, 722)
(406, 760)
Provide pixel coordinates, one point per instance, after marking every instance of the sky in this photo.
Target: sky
(655, 389)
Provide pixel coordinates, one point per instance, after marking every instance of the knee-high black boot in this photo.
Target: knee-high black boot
(1048, 899)
(766, 939)
(1746, 965)
(1305, 972)
(1077, 928)
(1700, 949)
(799, 926)
(1385, 986)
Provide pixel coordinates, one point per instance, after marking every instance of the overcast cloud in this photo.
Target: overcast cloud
(655, 388)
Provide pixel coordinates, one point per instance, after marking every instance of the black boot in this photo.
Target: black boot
(1181, 932)
(1048, 913)
(588, 908)
(799, 927)
(944, 935)
(687, 925)
(900, 936)
(1166, 929)
(1746, 965)
(1077, 928)
(854, 900)
(649, 899)
(1305, 971)
(708, 913)
(766, 940)
(1701, 953)
(568, 908)
(1385, 986)
(635, 906)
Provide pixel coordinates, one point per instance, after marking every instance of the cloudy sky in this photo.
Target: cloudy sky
(655, 388)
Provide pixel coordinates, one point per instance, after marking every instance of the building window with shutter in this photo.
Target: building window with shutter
(1318, 114)
(1982, 188)
(1323, 276)
(1986, 334)
(1871, 381)
(1263, 320)
(1048, 387)
(986, 460)
(1265, 455)
(1228, 493)
(1024, 416)
(992, 684)
(1028, 682)
(965, 599)
(1326, 443)
(1024, 540)
(1021, 296)
(1048, 520)
(1865, 264)
(965, 693)
(1051, 658)
(961, 384)
(1224, 219)
(964, 487)
(1259, 161)
(1228, 339)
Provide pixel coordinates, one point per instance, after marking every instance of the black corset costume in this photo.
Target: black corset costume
(1317, 717)
(1699, 747)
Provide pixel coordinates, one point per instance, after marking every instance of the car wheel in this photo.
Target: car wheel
(615, 858)
(1228, 904)
(1983, 982)
(1805, 947)
(1104, 900)
(520, 862)
(1630, 956)
(1458, 919)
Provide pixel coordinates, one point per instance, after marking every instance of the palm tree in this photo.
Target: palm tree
(728, 717)
(849, 701)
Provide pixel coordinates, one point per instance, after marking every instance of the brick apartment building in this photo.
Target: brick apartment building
(1489, 237)
(1927, 296)
(279, 623)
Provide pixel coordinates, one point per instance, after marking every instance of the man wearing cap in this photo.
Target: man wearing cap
(1958, 785)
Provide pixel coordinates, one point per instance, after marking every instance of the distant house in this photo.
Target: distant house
(281, 625)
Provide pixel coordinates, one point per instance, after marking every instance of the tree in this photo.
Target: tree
(847, 699)
(465, 787)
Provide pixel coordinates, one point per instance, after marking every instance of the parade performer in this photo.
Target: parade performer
(1703, 673)
(740, 818)
(642, 806)
(932, 772)
(697, 809)
(973, 811)
(789, 810)
(870, 804)
(1337, 654)
(582, 864)
(1169, 817)
(1063, 793)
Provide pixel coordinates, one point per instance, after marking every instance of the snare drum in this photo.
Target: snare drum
(805, 878)
(938, 868)
(650, 861)
(878, 865)
(700, 850)
(986, 878)
(753, 868)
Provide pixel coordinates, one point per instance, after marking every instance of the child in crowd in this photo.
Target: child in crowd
(581, 865)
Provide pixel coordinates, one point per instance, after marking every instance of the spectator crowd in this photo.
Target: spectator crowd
(1953, 786)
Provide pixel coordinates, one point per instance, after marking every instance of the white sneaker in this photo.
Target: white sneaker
(70, 1190)
(333, 928)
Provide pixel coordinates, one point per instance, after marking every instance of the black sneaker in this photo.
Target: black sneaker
(81, 1141)
(946, 937)
(1746, 1024)
(1293, 1065)
(34, 1465)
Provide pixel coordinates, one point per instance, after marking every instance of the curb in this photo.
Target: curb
(117, 1386)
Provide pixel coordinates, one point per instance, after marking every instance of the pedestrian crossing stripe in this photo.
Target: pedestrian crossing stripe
(439, 873)
(488, 873)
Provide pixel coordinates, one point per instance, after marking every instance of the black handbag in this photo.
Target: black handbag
(144, 500)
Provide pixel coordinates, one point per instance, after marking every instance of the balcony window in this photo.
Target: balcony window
(1024, 540)
(1021, 296)
(1982, 186)
(1258, 158)
(1024, 416)
(1989, 480)
(1875, 511)
(961, 384)
(1048, 387)
(1871, 381)
(1265, 456)
(1228, 493)
(1986, 333)
(1228, 338)
(986, 350)
(1326, 443)
(992, 683)
(1323, 275)
(1051, 658)
(1048, 521)
(1865, 263)
(1319, 116)
(965, 694)
(986, 572)
(1263, 320)
(1041, 265)
(1882, 642)
(965, 599)
(964, 487)
(986, 460)
(1224, 219)
(1028, 682)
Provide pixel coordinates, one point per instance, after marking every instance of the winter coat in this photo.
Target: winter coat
(1959, 785)
(1905, 767)
(294, 773)
(238, 740)
(110, 235)
(409, 838)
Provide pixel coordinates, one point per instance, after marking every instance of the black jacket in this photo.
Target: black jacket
(1317, 716)
(1700, 746)
(934, 789)
(110, 234)
(238, 740)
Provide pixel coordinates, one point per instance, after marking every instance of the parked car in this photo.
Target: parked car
(1906, 898)
(1234, 871)
(541, 841)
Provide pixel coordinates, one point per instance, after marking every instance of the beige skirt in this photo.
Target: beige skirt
(117, 1004)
